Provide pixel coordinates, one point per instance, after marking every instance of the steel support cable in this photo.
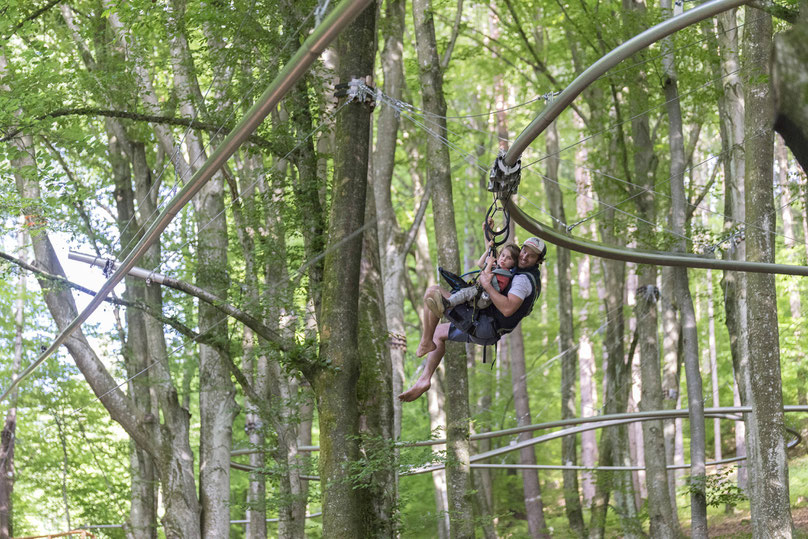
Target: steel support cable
(643, 113)
(637, 256)
(615, 208)
(400, 106)
(338, 19)
(611, 59)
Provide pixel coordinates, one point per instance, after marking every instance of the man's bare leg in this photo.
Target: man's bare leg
(441, 332)
(430, 323)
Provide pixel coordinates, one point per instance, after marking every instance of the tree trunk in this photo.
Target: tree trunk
(375, 391)
(143, 507)
(252, 364)
(458, 471)
(534, 506)
(733, 284)
(8, 435)
(586, 353)
(124, 160)
(671, 362)
(390, 235)
(663, 520)
(566, 342)
(698, 502)
(789, 235)
(766, 444)
(217, 405)
(346, 507)
(612, 449)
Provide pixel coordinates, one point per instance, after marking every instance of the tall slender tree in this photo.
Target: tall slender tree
(766, 444)
(458, 471)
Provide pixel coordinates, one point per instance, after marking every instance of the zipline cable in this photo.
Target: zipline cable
(342, 15)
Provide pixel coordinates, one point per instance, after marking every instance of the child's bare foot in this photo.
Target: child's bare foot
(419, 388)
(424, 348)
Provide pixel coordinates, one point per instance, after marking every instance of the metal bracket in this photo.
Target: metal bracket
(504, 180)
(357, 89)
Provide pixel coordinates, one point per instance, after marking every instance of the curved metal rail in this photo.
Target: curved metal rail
(658, 258)
(611, 59)
(584, 424)
(568, 95)
(298, 65)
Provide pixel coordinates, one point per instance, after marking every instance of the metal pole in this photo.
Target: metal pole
(297, 66)
(617, 55)
(110, 265)
(658, 258)
(721, 411)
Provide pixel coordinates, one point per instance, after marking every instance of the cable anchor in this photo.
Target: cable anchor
(357, 89)
(503, 180)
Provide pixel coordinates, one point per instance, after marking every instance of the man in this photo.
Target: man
(500, 318)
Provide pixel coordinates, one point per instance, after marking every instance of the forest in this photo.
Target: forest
(223, 225)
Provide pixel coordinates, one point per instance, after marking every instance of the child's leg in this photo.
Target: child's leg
(464, 295)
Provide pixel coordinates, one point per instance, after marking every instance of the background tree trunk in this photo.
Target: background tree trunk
(390, 235)
(9, 432)
(375, 391)
(766, 444)
(458, 471)
(566, 340)
(695, 404)
(733, 284)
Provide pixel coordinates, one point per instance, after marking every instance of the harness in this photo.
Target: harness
(506, 324)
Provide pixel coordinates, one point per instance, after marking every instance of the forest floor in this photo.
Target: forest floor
(738, 525)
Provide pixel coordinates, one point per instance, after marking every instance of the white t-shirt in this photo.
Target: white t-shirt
(520, 286)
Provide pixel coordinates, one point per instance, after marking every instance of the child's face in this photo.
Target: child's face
(505, 260)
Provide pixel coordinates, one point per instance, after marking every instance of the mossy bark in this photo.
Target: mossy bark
(346, 508)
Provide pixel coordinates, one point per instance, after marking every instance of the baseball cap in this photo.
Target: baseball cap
(536, 245)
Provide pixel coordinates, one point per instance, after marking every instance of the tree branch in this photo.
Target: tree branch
(419, 217)
(455, 31)
(694, 204)
(77, 204)
(31, 17)
(181, 328)
(151, 118)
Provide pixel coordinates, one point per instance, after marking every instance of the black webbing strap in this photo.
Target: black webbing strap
(491, 234)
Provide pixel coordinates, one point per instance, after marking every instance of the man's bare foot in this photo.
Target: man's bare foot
(424, 348)
(419, 388)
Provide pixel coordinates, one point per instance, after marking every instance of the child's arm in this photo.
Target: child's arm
(481, 263)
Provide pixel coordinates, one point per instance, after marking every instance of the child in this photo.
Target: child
(503, 273)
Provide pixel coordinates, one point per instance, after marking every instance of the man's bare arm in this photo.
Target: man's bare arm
(507, 305)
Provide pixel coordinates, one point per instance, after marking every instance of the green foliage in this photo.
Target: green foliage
(719, 488)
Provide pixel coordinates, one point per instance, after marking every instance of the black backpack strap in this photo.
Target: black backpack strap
(534, 293)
